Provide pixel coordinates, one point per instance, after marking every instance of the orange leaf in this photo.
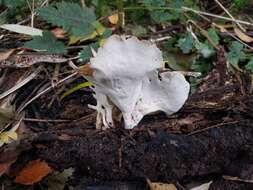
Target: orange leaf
(6, 55)
(86, 70)
(33, 172)
(114, 18)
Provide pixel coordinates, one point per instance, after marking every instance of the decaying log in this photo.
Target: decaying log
(220, 144)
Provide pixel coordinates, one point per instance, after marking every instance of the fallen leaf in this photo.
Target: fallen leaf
(232, 178)
(75, 88)
(6, 137)
(59, 33)
(114, 18)
(57, 180)
(244, 37)
(33, 172)
(5, 166)
(22, 29)
(204, 186)
(6, 55)
(86, 70)
(160, 186)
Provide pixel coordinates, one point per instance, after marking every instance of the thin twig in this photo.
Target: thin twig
(216, 16)
(160, 39)
(46, 120)
(21, 83)
(211, 127)
(46, 90)
(231, 16)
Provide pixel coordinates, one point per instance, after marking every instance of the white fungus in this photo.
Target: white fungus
(126, 76)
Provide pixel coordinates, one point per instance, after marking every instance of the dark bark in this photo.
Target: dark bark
(210, 137)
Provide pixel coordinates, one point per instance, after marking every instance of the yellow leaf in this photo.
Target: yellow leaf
(13, 135)
(73, 40)
(160, 186)
(4, 137)
(75, 88)
(100, 29)
(114, 18)
(244, 37)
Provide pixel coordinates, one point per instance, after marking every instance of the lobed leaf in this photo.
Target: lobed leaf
(72, 17)
(48, 43)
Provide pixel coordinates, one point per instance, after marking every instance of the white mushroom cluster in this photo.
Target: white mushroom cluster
(126, 76)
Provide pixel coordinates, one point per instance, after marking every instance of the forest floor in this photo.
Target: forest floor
(48, 135)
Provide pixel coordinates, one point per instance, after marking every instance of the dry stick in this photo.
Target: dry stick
(233, 36)
(211, 127)
(231, 16)
(22, 83)
(45, 91)
(46, 120)
(230, 34)
(216, 16)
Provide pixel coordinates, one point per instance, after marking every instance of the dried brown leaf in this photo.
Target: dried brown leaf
(6, 55)
(114, 18)
(244, 37)
(160, 186)
(5, 166)
(59, 33)
(86, 70)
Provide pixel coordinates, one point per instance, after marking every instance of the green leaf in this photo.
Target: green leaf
(154, 3)
(139, 31)
(12, 4)
(214, 36)
(186, 44)
(72, 17)
(249, 66)
(86, 53)
(58, 180)
(202, 65)
(161, 16)
(46, 42)
(74, 89)
(204, 48)
(236, 53)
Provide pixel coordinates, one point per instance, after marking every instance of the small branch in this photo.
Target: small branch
(46, 120)
(46, 90)
(216, 16)
(231, 16)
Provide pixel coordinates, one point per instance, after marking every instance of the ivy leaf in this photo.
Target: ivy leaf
(236, 53)
(47, 42)
(186, 44)
(249, 66)
(72, 17)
